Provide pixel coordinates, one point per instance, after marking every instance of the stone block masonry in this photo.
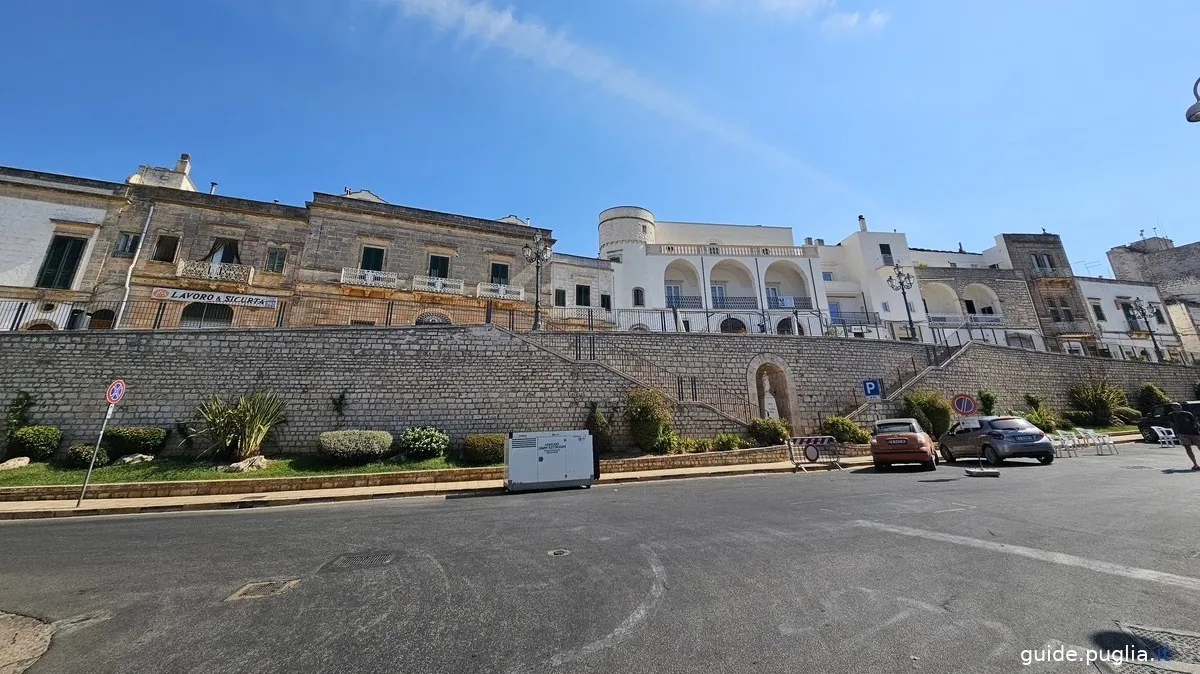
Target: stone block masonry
(461, 379)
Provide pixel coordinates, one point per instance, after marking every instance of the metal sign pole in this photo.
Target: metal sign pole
(88, 477)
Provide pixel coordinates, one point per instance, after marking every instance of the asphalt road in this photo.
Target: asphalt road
(843, 572)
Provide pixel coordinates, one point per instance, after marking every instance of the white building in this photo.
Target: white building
(1123, 332)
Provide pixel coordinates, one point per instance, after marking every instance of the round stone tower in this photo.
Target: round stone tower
(625, 225)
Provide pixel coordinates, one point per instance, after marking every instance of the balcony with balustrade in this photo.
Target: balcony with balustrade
(220, 272)
(945, 320)
(735, 303)
(500, 291)
(370, 278)
(435, 284)
(788, 302)
(685, 302)
(718, 250)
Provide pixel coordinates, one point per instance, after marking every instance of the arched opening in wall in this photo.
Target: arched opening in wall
(102, 320)
(787, 327)
(941, 304)
(773, 393)
(639, 297)
(733, 326)
(681, 285)
(40, 325)
(1021, 341)
(433, 318)
(206, 316)
(980, 300)
(787, 286)
(639, 328)
(731, 286)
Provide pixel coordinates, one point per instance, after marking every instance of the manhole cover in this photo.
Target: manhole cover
(263, 589)
(559, 553)
(1174, 646)
(363, 561)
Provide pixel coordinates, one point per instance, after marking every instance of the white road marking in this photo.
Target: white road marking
(627, 627)
(1042, 555)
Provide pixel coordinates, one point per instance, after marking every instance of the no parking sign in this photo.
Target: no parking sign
(964, 404)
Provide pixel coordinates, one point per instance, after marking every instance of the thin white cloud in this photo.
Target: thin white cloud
(527, 38)
(846, 22)
(801, 9)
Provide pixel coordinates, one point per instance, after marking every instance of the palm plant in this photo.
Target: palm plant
(238, 429)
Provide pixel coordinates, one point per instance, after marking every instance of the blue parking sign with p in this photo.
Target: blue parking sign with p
(872, 389)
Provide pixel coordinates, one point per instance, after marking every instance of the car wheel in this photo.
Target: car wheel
(881, 467)
(1046, 459)
(930, 465)
(990, 455)
(947, 457)
(1149, 435)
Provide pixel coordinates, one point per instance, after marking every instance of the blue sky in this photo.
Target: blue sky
(951, 121)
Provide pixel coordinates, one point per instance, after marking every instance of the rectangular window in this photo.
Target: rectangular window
(826, 276)
(910, 307)
(362, 322)
(835, 309)
(886, 307)
(1049, 261)
(500, 273)
(224, 251)
(560, 298)
(1037, 264)
(987, 311)
(165, 248)
(614, 258)
(687, 326)
(970, 306)
(583, 296)
(1130, 317)
(1055, 316)
(1098, 310)
(127, 244)
(372, 259)
(606, 302)
(62, 261)
(439, 266)
(275, 259)
(1158, 317)
(718, 295)
(885, 250)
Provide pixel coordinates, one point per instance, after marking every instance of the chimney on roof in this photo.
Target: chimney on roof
(862, 224)
(819, 242)
(808, 241)
(212, 188)
(347, 191)
(960, 248)
(184, 165)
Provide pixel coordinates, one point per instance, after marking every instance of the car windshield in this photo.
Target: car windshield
(1011, 425)
(897, 427)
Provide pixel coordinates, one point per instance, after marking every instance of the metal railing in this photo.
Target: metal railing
(1072, 327)
(685, 302)
(888, 260)
(434, 284)
(854, 318)
(370, 278)
(986, 319)
(215, 271)
(500, 291)
(785, 302)
(730, 251)
(1038, 272)
(945, 319)
(735, 303)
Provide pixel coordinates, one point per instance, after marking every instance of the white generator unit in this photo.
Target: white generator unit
(548, 460)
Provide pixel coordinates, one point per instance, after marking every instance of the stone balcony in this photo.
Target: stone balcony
(369, 278)
(500, 291)
(222, 272)
(434, 284)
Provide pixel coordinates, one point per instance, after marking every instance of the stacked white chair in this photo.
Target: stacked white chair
(1065, 444)
(1166, 436)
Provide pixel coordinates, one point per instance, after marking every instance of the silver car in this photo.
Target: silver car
(995, 439)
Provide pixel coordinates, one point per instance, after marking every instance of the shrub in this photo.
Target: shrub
(1098, 397)
(423, 442)
(237, 430)
(1034, 401)
(769, 432)
(355, 446)
(487, 449)
(1127, 415)
(987, 402)
(845, 430)
(725, 442)
(704, 445)
(79, 455)
(122, 440)
(1044, 418)
(1079, 418)
(676, 444)
(598, 425)
(934, 407)
(39, 443)
(1149, 396)
(17, 417)
(649, 418)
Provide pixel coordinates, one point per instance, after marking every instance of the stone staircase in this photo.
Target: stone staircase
(892, 403)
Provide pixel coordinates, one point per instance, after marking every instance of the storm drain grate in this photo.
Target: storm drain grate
(1176, 646)
(263, 589)
(561, 552)
(364, 561)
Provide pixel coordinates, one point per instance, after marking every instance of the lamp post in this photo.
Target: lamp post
(1140, 308)
(1193, 112)
(903, 282)
(536, 254)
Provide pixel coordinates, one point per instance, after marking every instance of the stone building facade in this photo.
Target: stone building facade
(995, 305)
(1042, 261)
(1175, 271)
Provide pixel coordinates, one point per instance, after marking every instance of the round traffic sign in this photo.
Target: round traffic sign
(964, 404)
(115, 392)
(812, 453)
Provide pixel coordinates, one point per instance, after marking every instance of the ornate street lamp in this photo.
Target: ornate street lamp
(903, 282)
(1139, 307)
(536, 254)
(1193, 113)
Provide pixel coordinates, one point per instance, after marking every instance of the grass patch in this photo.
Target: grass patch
(176, 470)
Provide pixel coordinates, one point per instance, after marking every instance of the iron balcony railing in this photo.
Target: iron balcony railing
(1070, 328)
(215, 271)
(735, 303)
(369, 278)
(1038, 272)
(784, 302)
(854, 318)
(434, 284)
(500, 291)
(730, 251)
(946, 319)
(685, 302)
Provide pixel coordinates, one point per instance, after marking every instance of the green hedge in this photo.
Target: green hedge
(845, 430)
(39, 443)
(79, 455)
(486, 449)
(725, 442)
(355, 446)
(423, 442)
(601, 429)
(649, 416)
(1147, 397)
(931, 407)
(123, 440)
(769, 432)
